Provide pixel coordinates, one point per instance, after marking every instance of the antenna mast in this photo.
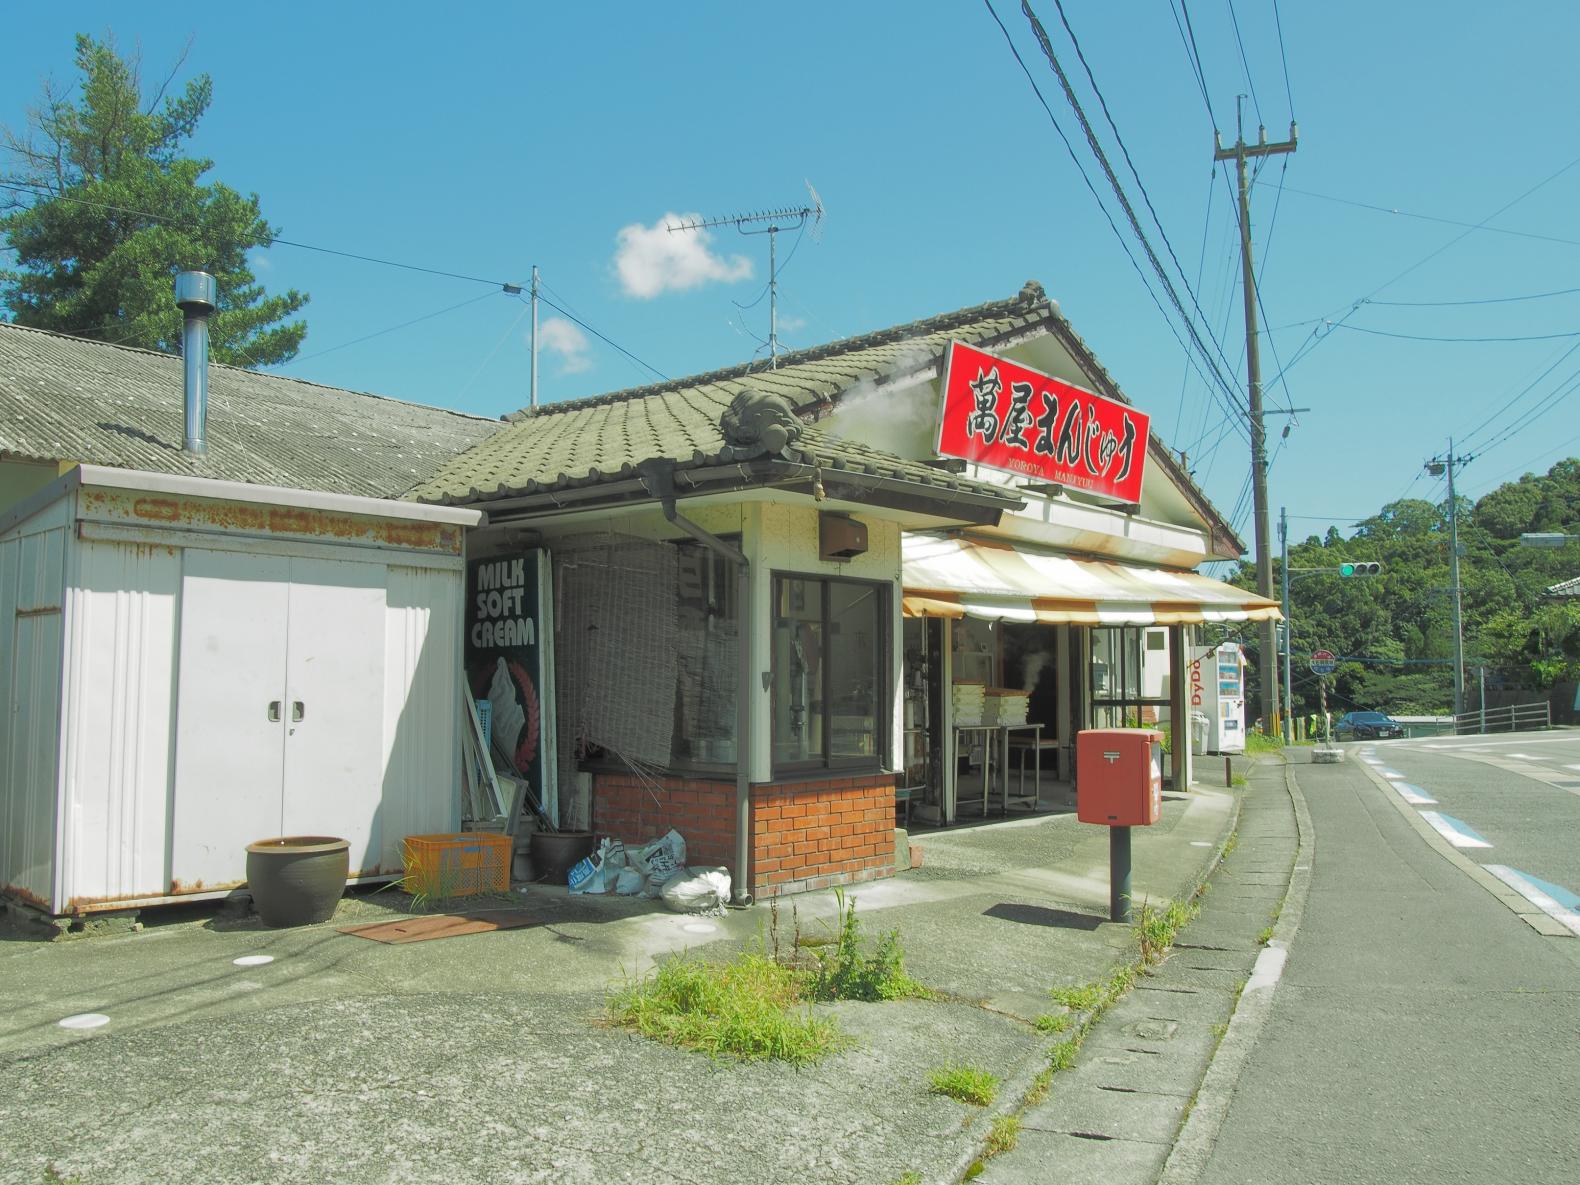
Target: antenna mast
(785, 218)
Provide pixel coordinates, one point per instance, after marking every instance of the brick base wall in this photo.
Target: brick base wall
(815, 835)
(805, 835)
(703, 812)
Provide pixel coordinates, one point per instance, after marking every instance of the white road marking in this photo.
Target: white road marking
(1454, 830)
(1544, 901)
(1413, 794)
(85, 1020)
(1392, 775)
(1572, 767)
(1269, 967)
(253, 960)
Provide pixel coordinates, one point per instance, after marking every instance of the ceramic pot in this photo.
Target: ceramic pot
(554, 853)
(296, 880)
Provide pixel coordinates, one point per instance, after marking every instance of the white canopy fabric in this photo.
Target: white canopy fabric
(1002, 581)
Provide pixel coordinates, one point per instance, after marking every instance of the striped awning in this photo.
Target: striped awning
(952, 577)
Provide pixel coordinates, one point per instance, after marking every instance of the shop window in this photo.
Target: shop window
(830, 681)
(707, 645)
(1130, 677)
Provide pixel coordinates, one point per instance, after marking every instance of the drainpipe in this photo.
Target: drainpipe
(196, 296)
(660, 482)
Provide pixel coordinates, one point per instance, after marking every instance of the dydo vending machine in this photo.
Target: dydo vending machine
(1217, 693)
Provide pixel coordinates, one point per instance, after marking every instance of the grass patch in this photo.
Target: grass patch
(1261, 742)
(1039, 1087)
(1239, 780)
(1063, 1055)
(748, 1009)
(1002, 1136)
(964, 1084)
(1054, 1022)
(1083, 998)
(843, 969)
(1265, 936)
(1231, 843)
(758, 1005)
(1159, 926)
(911, 1178)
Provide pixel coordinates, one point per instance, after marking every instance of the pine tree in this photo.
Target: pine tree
(105, 209)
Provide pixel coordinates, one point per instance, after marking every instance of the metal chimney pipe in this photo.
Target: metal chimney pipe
(196, 296)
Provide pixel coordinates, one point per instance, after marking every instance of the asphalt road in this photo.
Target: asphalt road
(1423, 1030)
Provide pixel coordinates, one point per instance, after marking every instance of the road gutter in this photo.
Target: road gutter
(1194, 1145)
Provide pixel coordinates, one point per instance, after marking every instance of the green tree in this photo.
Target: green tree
(104, 209)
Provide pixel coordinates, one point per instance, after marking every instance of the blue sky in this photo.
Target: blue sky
(499, 136)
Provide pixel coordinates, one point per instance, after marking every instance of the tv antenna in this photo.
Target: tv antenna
(785, 218)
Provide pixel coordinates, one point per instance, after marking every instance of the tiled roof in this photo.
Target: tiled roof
(69, 399)
(586, 441)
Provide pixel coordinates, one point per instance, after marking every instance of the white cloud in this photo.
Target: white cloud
(652, 259)
(559, 337)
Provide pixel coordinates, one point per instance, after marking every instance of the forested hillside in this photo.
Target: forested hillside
(1395, 631)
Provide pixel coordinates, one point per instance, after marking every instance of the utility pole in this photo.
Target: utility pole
(532, 383)
(1437, 468)
(1240, 153)
(1289, 625)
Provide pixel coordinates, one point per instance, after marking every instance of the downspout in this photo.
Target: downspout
(659, 479)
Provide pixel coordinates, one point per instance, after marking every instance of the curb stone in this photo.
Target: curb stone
(1018, 1083)
(1198, 1136)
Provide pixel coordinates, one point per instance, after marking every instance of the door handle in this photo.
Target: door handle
(274, 711)
(298, 710)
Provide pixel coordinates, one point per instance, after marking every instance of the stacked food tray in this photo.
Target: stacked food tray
(1005, 705)
(968, 701)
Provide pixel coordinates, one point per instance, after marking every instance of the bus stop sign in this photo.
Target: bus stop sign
(1323, 662)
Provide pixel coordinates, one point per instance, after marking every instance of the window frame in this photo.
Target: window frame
(883, 728)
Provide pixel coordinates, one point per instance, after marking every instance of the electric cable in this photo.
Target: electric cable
(392, 329)
(1124, 245)
(1278, 24)
(1245, 63)
(1135, 225)
(607, 341)
(1498, 230)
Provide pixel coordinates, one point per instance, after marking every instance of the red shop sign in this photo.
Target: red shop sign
(1010, 417)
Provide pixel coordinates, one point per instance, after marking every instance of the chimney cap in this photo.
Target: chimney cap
(196, 292)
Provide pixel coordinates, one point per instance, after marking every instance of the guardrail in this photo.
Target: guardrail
(1515, 718)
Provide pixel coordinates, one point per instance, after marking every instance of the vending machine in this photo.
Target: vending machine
(1217, 699)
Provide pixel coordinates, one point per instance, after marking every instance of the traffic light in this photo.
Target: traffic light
(1368, 568)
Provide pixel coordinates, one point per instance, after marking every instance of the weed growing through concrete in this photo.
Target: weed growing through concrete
(844, 971)
(750, 1008)
(964, 1084)
(1063, 1055)
(911, 1178)
(1083, 998)
(1003, 1136)
(1159, 926)
(1054, 1022)
(1230, 844)
(1039, 1087)
(1239, 780)
(1265, 936)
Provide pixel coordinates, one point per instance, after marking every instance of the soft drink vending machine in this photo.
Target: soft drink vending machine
(1217, 698)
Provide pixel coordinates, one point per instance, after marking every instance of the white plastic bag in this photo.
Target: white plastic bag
(587, 874)
(698, 890)
(630, 881)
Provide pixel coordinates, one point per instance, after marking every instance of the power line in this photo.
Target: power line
(1192, 54)
(607, 341)
(1498, 230)
(1441, 304)
(1508, 404)
(1113, 180)
(1245, 62)
(1416, 337)
(271, 240)
(393, 328)
(1278, 23)
(1108, 217)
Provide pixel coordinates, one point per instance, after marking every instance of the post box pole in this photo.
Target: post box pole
(1119, 874)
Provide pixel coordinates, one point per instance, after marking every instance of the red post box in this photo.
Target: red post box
(1119, 776)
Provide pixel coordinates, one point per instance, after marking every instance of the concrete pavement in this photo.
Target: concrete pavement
(484, 1058)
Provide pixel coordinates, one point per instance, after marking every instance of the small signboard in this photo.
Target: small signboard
(1323, 662)
(1010, 417)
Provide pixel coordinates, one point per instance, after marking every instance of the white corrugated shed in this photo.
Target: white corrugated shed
(197, 664)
